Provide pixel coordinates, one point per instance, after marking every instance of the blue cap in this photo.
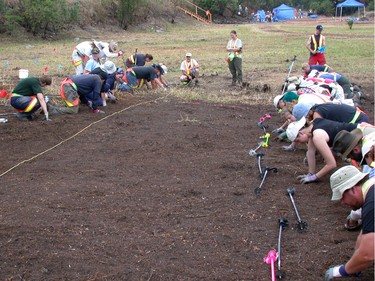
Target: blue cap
(301, 109)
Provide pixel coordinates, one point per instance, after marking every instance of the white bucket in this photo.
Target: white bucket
(23, 73)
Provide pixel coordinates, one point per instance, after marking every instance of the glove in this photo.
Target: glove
(307, 178)
(278, 131)
(289, 147)
(120, 53)
(338, 271)
(46, 117)
(98, 111)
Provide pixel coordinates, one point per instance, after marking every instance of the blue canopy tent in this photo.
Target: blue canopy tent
(261, 14)
(284, 12)
(350, 4)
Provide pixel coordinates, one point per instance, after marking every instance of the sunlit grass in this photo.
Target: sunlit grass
(268, 49)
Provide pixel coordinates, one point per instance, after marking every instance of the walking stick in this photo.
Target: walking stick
(270, 259)
(287, 77)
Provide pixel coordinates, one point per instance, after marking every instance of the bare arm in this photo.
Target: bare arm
(42, 102)
(320, 139)
(308, 44)
(363, 256)
(311, 156)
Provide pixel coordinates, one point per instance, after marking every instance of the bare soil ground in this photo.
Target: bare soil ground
(161, 189)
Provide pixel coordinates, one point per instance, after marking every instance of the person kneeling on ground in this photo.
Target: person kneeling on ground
(27, 97)
(81, 86)
(190, 70)
(319, 136)
(358, 145)
(351, 187)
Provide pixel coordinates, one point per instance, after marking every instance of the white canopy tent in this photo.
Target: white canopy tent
(350, 4)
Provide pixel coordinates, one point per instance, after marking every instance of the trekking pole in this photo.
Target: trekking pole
(270, 259)
(283, 223)
(290, 70)
(252, 152)
(301, 225)
(259, 156)
(266, 170)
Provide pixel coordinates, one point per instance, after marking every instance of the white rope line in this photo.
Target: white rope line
(76, 134)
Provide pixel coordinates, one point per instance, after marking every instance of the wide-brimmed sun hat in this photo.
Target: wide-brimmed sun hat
(345, 141)
(294, 128)
(109, 67)
(367, 142)
(276, 100)
(343, 179)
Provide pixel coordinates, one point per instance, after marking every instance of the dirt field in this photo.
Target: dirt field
(161, 189)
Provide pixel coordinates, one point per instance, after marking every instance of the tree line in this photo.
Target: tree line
(49, 17)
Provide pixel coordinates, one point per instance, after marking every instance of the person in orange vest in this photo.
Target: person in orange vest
(27, 97)
(190, 70)
(316, 45)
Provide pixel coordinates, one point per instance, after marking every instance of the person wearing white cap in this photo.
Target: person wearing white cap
(190, 69)
(319, 136)
(352, 188)
(108, 68)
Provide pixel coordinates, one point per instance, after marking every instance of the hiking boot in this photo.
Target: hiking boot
(24, 116)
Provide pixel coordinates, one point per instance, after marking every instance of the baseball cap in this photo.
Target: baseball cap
(158, 66)
(95, 51)
(109, 67)
(345, 141)
(301, 109)
(188, 55)
(294, 128)
(164, 67)
(367, 142)
(276, 100)
(343, 179)
(319, 27)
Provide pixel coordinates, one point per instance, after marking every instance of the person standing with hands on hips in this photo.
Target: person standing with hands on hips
(316, 45)
(234, 47)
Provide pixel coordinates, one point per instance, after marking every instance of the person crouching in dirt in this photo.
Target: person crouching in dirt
(27, 97)
(306, 68)
(319, 136)
(149, 74)
(189, 69)
(352, 188)
(82, 86)
(357, 145)
(234, 47)
(108, 68)
(138, 60)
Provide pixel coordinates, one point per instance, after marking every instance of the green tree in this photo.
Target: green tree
(44, 16)
(126, 11)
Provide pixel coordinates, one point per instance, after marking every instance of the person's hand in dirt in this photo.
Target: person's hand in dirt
(278, 131)
(290, 147)
(46, 117)
(338, 271)
(309, 178)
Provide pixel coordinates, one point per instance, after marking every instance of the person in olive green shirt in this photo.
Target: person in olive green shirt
(27, 97)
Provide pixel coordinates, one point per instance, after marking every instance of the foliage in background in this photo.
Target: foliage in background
(50, 17)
